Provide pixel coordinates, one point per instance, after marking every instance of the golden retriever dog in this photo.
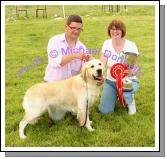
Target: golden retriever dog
(58, 97)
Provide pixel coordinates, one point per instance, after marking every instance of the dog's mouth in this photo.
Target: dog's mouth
(98, 78)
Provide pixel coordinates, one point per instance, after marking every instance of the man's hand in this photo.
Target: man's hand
(86, 57)
(82, 57)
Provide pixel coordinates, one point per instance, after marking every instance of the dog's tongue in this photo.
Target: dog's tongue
(100, 78)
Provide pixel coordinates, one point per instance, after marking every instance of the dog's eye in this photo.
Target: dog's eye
(92, 66)
(100, 64)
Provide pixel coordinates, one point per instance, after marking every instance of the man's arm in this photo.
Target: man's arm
(66, 59)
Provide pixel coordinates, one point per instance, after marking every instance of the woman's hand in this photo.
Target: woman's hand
(130, 72)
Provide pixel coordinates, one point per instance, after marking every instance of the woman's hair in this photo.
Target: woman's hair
(74, 18)
(118, 24)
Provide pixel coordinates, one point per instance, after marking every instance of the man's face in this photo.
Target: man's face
(73, 30)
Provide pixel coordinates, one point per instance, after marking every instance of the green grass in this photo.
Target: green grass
(27, 39)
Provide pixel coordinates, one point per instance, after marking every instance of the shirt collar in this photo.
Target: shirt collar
(63, 38)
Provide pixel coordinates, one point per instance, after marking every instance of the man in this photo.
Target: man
(65, 52)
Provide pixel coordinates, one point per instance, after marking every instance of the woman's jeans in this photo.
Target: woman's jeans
(109, 96)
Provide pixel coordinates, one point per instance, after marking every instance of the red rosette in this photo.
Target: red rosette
(117, 71)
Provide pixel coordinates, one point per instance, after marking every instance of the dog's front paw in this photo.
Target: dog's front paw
(90, 122)
(90, 129)
(23, 136)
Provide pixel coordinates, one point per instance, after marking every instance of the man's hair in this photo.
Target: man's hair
(73, 18)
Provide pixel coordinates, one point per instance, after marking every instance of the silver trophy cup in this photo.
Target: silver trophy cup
(130, 61)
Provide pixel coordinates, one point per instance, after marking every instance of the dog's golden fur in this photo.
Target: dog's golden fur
(59, 97)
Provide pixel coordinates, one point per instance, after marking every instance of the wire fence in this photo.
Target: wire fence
(55, 11)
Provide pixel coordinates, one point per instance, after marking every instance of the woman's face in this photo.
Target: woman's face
(116, 33)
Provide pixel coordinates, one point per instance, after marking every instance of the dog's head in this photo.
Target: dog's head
(92, 70)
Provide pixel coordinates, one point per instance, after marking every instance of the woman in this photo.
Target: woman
(113, 52)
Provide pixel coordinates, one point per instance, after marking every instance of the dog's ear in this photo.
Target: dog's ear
(84, 73)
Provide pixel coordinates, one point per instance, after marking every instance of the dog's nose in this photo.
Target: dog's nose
(99, 71)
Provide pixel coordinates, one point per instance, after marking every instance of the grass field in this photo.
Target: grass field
(27, 39)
